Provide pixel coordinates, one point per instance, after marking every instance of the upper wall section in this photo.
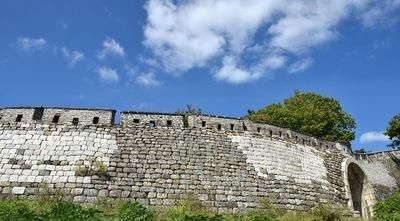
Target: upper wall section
(81, 116)
(55, 115)
(151, 119)
(238, 125)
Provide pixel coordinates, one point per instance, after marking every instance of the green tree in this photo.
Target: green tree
(311, 114)
(393, 131)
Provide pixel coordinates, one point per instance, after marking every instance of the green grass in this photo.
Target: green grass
(189, 210)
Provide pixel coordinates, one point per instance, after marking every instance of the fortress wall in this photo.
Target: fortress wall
(383, 171)
(145, 118)
(160, 165)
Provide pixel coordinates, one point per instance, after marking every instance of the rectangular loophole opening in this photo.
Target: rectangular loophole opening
(96, 120)
(19, 118)
(152, 123)
(288, 135)
(280, 133)
(56, 118)
(259, 129)
(219, 127)
(169, 123)
(244, 127)
(136, 121)
(232, 126)
(38, 113)
(203, 124)
(75, 121)
(270, 133)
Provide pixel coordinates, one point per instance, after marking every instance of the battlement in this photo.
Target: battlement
(57, 115)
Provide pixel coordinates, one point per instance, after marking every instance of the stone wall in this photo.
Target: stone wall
(383, 171)
(158, 164)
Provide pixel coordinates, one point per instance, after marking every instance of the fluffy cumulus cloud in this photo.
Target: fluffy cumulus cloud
(30, 44)
(108, 74)
(73, 57)
(373, 136)
(147, 80)
(244, 40)
(110, 48)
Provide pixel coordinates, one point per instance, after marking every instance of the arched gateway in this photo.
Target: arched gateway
(359, 192)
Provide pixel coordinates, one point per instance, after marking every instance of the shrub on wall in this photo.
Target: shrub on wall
(389, 209)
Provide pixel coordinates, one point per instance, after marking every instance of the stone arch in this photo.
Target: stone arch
(359, 191)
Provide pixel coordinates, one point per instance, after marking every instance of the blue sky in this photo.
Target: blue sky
(223, 56)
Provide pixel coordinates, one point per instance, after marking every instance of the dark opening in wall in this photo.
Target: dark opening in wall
(96, 120)
(297, 138)
(259, 129)
(304, 141)
(136, 121)
(244, 127)
(203, 124)
(169, 123)
(56, 118)
(75, 121)
(38, 113)
(1, 117)
(270, 133)
(280, 133)
(152, 123)
(219, 127)
(19, 118)
(288, 135)
(232, 126)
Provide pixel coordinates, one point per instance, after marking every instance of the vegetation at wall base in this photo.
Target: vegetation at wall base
(188, 210)
(389, 209)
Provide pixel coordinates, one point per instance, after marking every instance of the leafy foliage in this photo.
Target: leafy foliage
(311, 114)
(188, 210)
(388, 210)
(393, 131)
(134, 211)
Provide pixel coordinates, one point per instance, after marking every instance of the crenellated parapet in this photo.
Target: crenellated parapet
(240, 125)
(151, 119)
(57, 115)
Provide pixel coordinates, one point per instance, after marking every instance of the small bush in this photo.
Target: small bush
(389, 209)
(324, 212)
(133, 211)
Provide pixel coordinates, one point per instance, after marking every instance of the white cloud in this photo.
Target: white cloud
(300, 65)
(373, 136)
(206, 33)
(379, 11)
(147, 80)
(110, 47)
(73, 57)
(30, 44)
(108, 74)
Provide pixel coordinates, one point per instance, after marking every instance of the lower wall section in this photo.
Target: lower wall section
(158, 166)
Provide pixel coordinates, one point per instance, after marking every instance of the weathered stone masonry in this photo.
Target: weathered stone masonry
(227, 163)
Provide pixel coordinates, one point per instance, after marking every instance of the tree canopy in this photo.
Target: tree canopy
(311, 114)
(393, 131)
